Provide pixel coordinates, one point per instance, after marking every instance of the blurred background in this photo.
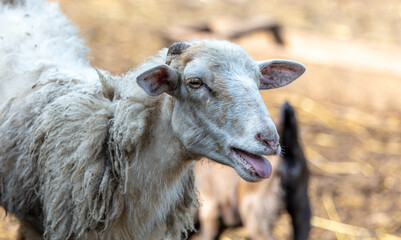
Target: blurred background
(348, 103)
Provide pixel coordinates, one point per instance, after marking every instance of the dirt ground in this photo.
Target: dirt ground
(348, 102)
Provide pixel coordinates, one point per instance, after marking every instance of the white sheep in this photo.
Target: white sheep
(86, 155)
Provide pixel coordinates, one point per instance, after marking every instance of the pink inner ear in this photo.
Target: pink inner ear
(276, 77)
(158, 80)
(279, 73)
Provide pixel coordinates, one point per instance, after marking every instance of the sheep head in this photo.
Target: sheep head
(219, 112)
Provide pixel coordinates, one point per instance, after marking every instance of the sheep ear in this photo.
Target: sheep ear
(158, 80)
(278, 73)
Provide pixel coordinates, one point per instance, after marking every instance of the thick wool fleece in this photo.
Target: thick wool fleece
(78, 159)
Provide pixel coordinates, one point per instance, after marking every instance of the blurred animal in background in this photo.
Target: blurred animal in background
(228, 201)
(294, 174)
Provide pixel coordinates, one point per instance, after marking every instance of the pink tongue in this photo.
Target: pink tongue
(261, 165)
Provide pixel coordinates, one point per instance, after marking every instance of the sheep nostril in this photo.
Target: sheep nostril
(272, 143)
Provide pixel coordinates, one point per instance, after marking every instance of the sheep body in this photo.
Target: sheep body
(67, 115)
(73, 123)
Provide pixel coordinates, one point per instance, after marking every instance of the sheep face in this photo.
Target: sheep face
(218, 111)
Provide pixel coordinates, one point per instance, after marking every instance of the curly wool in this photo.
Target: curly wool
(75, 153)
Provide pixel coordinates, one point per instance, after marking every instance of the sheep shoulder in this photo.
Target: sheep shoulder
(76, 128)
(66, 126)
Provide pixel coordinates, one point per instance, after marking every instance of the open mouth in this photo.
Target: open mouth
(255, 165)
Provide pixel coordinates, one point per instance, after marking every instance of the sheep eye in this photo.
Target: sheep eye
(194, 83)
